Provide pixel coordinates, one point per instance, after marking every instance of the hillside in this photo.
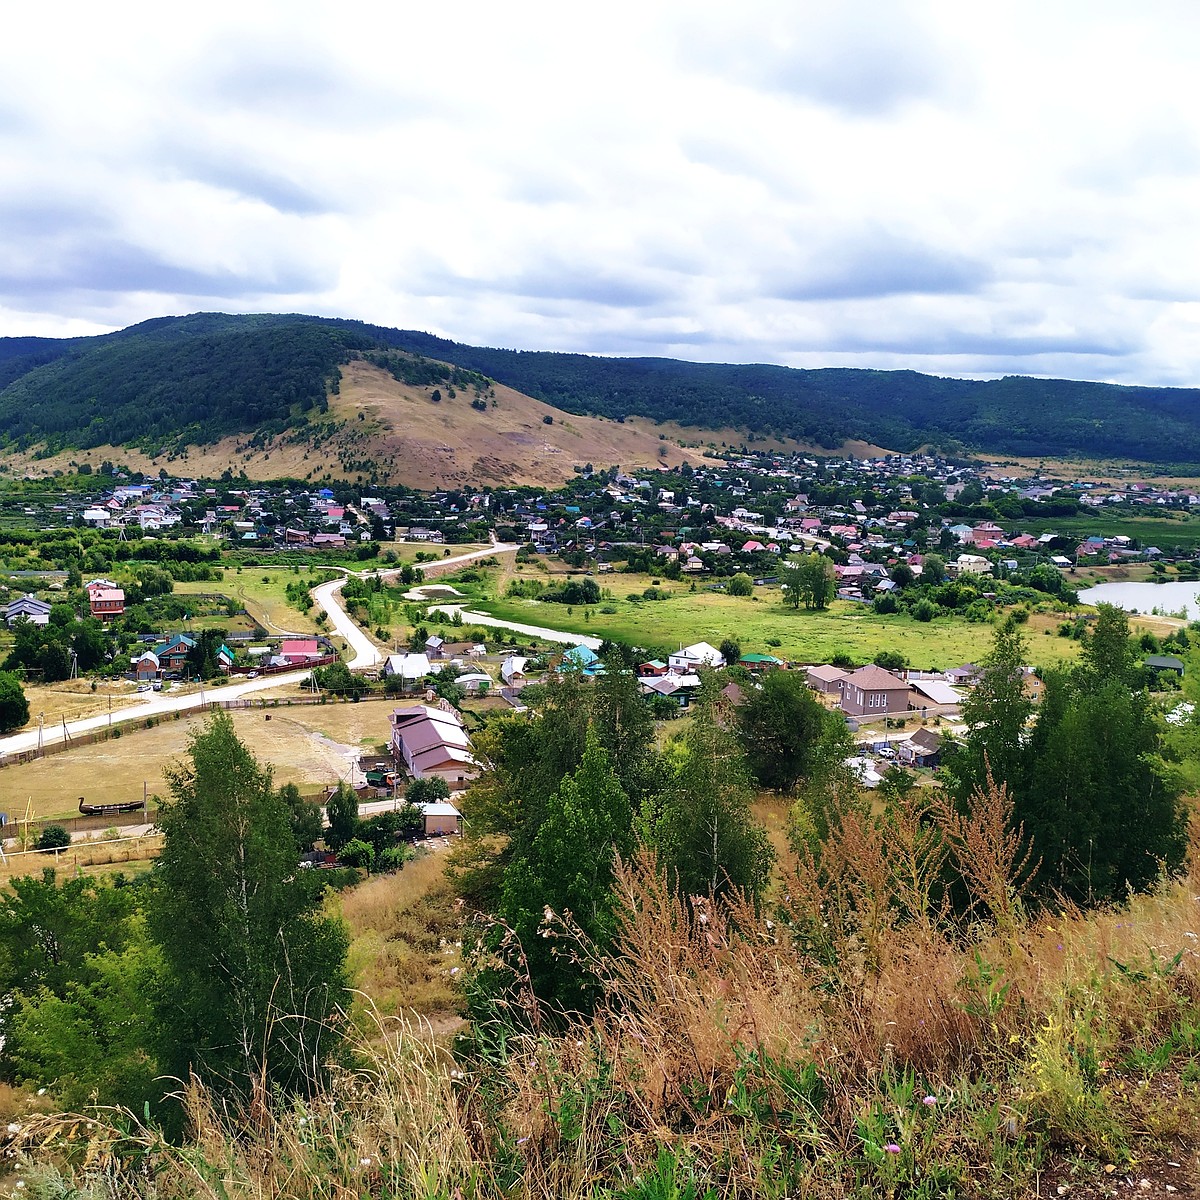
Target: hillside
(179, 382)
(404, 437)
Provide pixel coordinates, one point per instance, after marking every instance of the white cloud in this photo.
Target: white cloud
(884, 183)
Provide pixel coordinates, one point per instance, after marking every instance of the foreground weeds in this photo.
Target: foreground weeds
(850, 1041)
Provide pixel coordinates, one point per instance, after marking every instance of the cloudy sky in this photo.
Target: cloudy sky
(944, 186)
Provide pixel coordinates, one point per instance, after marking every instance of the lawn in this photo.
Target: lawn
(261, 590)
(845, 628)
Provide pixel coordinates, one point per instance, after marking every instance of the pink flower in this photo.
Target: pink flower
(929, 1101)
(891, 1148)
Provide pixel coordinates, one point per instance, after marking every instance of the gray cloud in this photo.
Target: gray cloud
(878, 263)
(112, 265)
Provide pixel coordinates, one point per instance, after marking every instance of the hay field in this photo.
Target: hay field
(311, 746)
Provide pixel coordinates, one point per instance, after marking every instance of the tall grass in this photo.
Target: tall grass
(851, 1041)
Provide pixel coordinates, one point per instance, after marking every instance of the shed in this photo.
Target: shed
(441, 817)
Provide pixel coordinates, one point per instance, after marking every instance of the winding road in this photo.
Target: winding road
(326, 595)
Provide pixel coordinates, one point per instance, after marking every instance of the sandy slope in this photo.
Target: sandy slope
(396, 430)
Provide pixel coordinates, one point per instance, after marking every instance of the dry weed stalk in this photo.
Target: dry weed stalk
(990, 851)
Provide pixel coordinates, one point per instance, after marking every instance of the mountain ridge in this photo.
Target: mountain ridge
(179, 381)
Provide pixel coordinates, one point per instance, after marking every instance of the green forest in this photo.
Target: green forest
(175, 381)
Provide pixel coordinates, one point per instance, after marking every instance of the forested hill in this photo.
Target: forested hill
(897, 409)
(193, 379)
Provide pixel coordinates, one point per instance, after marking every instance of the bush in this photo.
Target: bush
(53, 837)
(357, 853)
(392, 859)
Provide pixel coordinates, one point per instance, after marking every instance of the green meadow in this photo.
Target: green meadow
(762, 624)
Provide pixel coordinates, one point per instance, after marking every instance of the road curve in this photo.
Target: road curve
(157, 704)
(366, 653)
(538, 631)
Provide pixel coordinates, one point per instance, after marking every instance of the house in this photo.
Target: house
(652, 668)
(434, 646)
(409, 667)
(584, 660)
(761, 662)
(922, 749)
(29, 607)
(680, 688)
(478, 682)
(431, 743)
(688, 658)
(147, 667)
(172, 654)
(106, 603)
(825, 679)
(299, 651)
(512, 670)
(872, 691)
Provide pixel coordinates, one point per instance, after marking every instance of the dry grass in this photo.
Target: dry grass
(309, 745)
(849, 1047)
(406, 940)
(128, 854)
(75, 699)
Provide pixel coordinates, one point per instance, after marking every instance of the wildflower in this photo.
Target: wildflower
(522, 1141)
(891, 1148)
(929, 1101)
(364, 1162)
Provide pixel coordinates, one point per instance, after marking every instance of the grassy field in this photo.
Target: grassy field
(405, 940)
(261, 590)
(1166, 529)
(307, 745)
(75, 699)
(844, 628)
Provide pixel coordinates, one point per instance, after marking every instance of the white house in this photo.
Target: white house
(688, 658)
(512, 670)
(410, 667)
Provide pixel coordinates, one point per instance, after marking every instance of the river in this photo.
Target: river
(1167, 599)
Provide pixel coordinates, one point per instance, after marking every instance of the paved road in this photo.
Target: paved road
(366, 653)
(538, 631)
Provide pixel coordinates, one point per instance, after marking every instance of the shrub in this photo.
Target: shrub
(53, 837)
(357, 853)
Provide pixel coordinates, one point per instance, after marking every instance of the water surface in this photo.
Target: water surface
(1165, 598)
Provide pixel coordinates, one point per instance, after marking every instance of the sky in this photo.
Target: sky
(964, 189)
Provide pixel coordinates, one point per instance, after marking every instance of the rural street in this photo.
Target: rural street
(538, 631)
(366, 653)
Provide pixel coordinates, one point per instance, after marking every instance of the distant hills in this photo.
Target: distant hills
(190, 381)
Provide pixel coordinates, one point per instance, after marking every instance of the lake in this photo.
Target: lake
(1147, 598)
